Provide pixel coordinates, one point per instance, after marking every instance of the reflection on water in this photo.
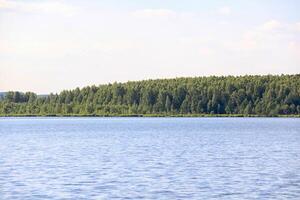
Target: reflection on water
(149, 158)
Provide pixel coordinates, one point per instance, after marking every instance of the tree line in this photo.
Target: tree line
(267, 95)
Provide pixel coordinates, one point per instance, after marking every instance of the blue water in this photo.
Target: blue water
(149, 158)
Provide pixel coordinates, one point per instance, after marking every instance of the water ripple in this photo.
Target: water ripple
(149, 158)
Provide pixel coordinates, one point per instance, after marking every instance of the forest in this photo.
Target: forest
(267, 95)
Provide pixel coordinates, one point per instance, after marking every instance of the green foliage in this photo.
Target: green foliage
(241, 95)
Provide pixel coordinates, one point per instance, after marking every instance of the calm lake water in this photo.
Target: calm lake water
(149, 158)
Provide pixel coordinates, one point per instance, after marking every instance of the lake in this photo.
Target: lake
(149, 158)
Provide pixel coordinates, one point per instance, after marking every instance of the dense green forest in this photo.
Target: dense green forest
(228, 95)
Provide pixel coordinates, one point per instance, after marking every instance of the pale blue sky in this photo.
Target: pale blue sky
(51, 45)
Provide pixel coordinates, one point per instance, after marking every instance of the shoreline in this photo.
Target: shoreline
(154, 115)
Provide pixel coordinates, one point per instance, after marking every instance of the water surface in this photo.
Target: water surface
(149, 158)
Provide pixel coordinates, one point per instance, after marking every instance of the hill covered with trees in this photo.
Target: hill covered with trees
(226, 95)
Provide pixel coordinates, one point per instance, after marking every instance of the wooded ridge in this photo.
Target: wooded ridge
(268, 95)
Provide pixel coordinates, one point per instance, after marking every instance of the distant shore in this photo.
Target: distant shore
(151, 115)
(251, 96)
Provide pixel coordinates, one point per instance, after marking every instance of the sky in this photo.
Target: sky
(51, 45)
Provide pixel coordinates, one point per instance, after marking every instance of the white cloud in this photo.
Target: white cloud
(274, 25)
(44, 7)
(154, 13)
(205, 51)
(226, 10)
(297, 26)
(294, 47)
(271, 25)
(270, 35)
